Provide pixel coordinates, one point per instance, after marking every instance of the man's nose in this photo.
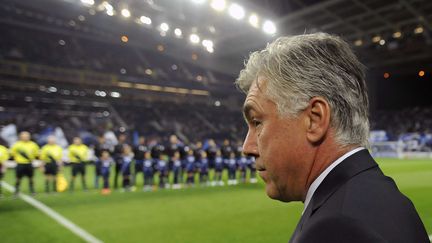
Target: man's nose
(250, 146)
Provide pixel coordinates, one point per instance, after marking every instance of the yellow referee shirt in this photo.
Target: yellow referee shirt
(24, 152)
(78, 153)
(51, 153)
(4, 154)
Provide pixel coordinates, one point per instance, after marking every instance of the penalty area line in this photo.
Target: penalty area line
(54, 215)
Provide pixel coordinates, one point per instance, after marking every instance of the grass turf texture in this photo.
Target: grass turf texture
(240, 213)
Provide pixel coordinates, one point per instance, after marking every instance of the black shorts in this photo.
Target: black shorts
(139, 166)
(51, 168)
(98, 168)
(78, 168)
(22, 170)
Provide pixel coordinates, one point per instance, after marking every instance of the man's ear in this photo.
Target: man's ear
(318, 119)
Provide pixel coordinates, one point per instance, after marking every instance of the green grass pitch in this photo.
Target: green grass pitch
(241, 213)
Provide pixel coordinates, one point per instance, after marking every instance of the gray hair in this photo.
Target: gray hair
(301, 67)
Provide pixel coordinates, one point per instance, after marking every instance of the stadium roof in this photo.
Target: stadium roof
(386, 33)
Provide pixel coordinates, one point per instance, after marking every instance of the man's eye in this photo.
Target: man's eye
(256, 123)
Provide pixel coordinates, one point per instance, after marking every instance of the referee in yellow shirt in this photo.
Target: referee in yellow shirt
(78, 156)
(24, 152)
(51, 156)
(4, 155)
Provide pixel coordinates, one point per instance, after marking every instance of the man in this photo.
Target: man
(101, 146)
(4, 155)
(117, 154)
(139, 153)
(127, 158)
(148, 171)
(24, 153)
(51, 156)
(211, 151)
(78, 157)
(172, 150)
(307, 114)
(105, 161)
(226, 149)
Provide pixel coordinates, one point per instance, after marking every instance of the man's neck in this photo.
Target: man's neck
(325, 155)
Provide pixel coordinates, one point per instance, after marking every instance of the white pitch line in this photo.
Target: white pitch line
(54, 215)
(430, 238)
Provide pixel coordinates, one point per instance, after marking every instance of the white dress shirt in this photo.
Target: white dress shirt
(315, 184)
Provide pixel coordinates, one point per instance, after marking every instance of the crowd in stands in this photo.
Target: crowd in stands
(191, 122)
(49, 46)
(412, 126)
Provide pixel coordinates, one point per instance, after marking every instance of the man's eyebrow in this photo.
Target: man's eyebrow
(246, 112)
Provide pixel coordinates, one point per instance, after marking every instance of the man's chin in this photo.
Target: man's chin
(274, 193)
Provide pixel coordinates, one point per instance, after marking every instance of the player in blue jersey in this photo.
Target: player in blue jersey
(252, 169)
(177, 170)
(99, 147)
(126, 163)
(148, 171)
(203, 167)
(139, 152)
(105, 162)
(232, 169)
(242, 167)
(211, 150)
(190, 168)
(218, 166)
(162, 168)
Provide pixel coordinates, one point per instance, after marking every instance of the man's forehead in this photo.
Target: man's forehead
(259, 84)
(256, 91)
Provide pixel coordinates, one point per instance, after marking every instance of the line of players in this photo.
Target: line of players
(184, 162)
(154, 159)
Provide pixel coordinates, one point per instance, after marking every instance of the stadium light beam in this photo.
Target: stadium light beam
(207, 43)
(115, 94)
(178, 32)
(397, 34)
(254, 20)
(376, 39)
(88, 2)
(269, 27)
(164, 27)
(218, 5)
(126, 13)
(198, 1)
(145, 20)
(194, 38)
(108, 7)
(418, 30)
(358, 42)
(236, 11)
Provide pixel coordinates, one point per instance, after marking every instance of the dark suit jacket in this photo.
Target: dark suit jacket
(356, 202)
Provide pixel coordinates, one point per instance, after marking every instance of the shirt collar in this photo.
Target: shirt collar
(315, 184)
